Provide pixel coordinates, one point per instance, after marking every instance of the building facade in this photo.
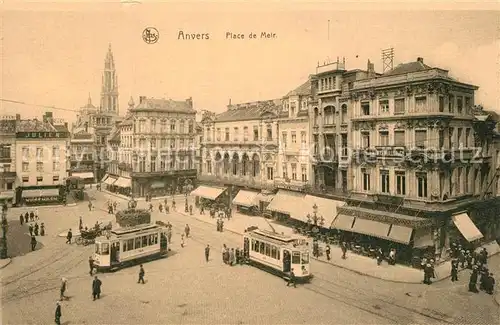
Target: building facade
(157, 146)
(294, 160)
(41, 159)
(7, 158)
(415, 160)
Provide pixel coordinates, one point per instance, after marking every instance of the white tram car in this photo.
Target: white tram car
(130, 245)
(278, 253)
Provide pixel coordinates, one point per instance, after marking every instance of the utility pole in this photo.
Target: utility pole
(3, 251)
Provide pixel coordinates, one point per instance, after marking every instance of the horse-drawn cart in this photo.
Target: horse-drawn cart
(88, 237)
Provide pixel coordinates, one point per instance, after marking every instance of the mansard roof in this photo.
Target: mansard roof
(249, 111)
(409, 67)
(302, 90)
(164, 105)
(34, 125)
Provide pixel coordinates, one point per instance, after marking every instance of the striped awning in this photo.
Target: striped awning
(466, 227)
(110, 180)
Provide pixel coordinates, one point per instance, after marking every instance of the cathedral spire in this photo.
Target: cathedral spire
(109, 89)
(89, 102)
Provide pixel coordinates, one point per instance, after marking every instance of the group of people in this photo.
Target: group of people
(112, 206)
(231, 256)
(220, 225)
(34, 229)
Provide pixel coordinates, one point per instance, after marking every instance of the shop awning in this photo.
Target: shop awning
(123, 182)
(103, 180)
(400, 234)
(110, 180)
(157, 184)
(208, 192)
(371, 228)
(261, 197)
(40, 193)
(423, 238)
(83, 175)
(327, 208)
(343, 222)
(246, 198)
(467, 227)
(287, 202)
(7, 195)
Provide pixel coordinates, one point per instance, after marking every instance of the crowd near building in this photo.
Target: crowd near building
(403, 159)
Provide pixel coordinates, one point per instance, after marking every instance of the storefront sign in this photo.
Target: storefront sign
(290, 187)
(41, 199)
(41, 135)
(389, 199)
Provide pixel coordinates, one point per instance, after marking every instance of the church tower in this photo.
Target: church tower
(109, 90)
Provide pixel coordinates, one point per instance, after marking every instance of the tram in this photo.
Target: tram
(130, 245)
(277, 253)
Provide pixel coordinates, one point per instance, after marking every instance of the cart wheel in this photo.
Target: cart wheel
(79, 240)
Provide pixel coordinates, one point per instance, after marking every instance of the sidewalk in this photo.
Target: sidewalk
(158, 198)
(356, 263)
(4, 262)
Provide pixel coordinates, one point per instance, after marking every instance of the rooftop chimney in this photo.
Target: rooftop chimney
(421, 60)
(18, 117)
(189, 101)
(142, 99)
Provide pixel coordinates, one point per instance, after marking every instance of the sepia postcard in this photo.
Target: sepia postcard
(249, 162)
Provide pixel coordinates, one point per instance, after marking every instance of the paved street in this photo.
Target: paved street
(183, 288)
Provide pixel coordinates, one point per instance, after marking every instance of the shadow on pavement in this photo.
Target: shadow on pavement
(19, 240)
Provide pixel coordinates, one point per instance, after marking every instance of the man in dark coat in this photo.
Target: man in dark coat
(21, 219)
(58, 313)
(489, 284)
(343, 247)
(69, 236)
(291, 279)
(454, 270)
(30, 228)
(33, 243)
(26, 217)
(327, 251)
(473, 280)
(91, 265)
(36, 228)
(32, 216)
(141, 275)
(96, 288)
(207, 253)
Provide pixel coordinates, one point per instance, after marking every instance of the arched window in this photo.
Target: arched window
(328, 115)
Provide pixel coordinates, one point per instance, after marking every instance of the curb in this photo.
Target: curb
(44, 206)
(141, 198)
(497, 299)
(8, 261)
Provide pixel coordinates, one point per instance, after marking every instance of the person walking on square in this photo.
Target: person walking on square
(96, 288)
(69, 236)
(173, 205)
(33, 243)
(21, 219)
(36, 228)
(30, 229)
(207, 253)
(473, 280)
(58, 313)
(26, 217)
(182, 240)
(90, 206)
(327, 251)
(32, 216)
(141, 275)
(42, 229)
(454, 270)
(91, 265)
(36, 214)
(343, 247)
(291, 279)
(187, 230)
(231, 257)
(64, 286)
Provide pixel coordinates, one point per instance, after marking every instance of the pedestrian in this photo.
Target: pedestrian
(91, 265)
(221, 225)
(32, 216)
(21, 219)
(202, 210)
(26, 216)
(461, 258)
(428, 272)
(468, 259)
(150, 207)
(237, 255)
(167, 209)
(36, 228)
(64, 286)
(191, 210)
(473, 280)
(291, 279)
(115, 205)
(160, 208)
(80, 224)
(165, 202)
(380, 256)
(90, 205)
(343, 247)
(483, 256)
(327, 251)
(42, 229)
(69, 236)
(96, 288)
(182, 240)
(490, 284)
(58, 313)
(141, 275)
(392, 257)
(454, 270)
(173, 205)
(36, 214)
(484, 273)
(224, 250)
(33, 243)
(30, 228)
(231, 257)
(207, 252)
(187, 230)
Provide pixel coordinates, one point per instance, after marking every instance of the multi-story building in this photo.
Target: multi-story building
(100, 121)
(41, 159)
(294, 154)
(159, 146)
(330, 125)
(7, 158)
(240, 148)
(415, 163)
(82, 152)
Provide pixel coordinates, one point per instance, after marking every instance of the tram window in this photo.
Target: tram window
(155, 238)
(130, 244)
(124, 246)
(104, 249)
(296, 258)
(144, 241)
(137, 243)
(268, 249)
(262, 248)
(274, 252)
(256, 246)
(98, 248)
(150, 240)
(305, 258)
(253, 244)
(278, 254)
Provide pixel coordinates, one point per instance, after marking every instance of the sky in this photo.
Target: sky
(53, 55)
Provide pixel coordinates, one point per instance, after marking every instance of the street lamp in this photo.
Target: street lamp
(316, 218)
(3, 251)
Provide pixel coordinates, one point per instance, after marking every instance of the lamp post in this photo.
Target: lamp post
(3, 251)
